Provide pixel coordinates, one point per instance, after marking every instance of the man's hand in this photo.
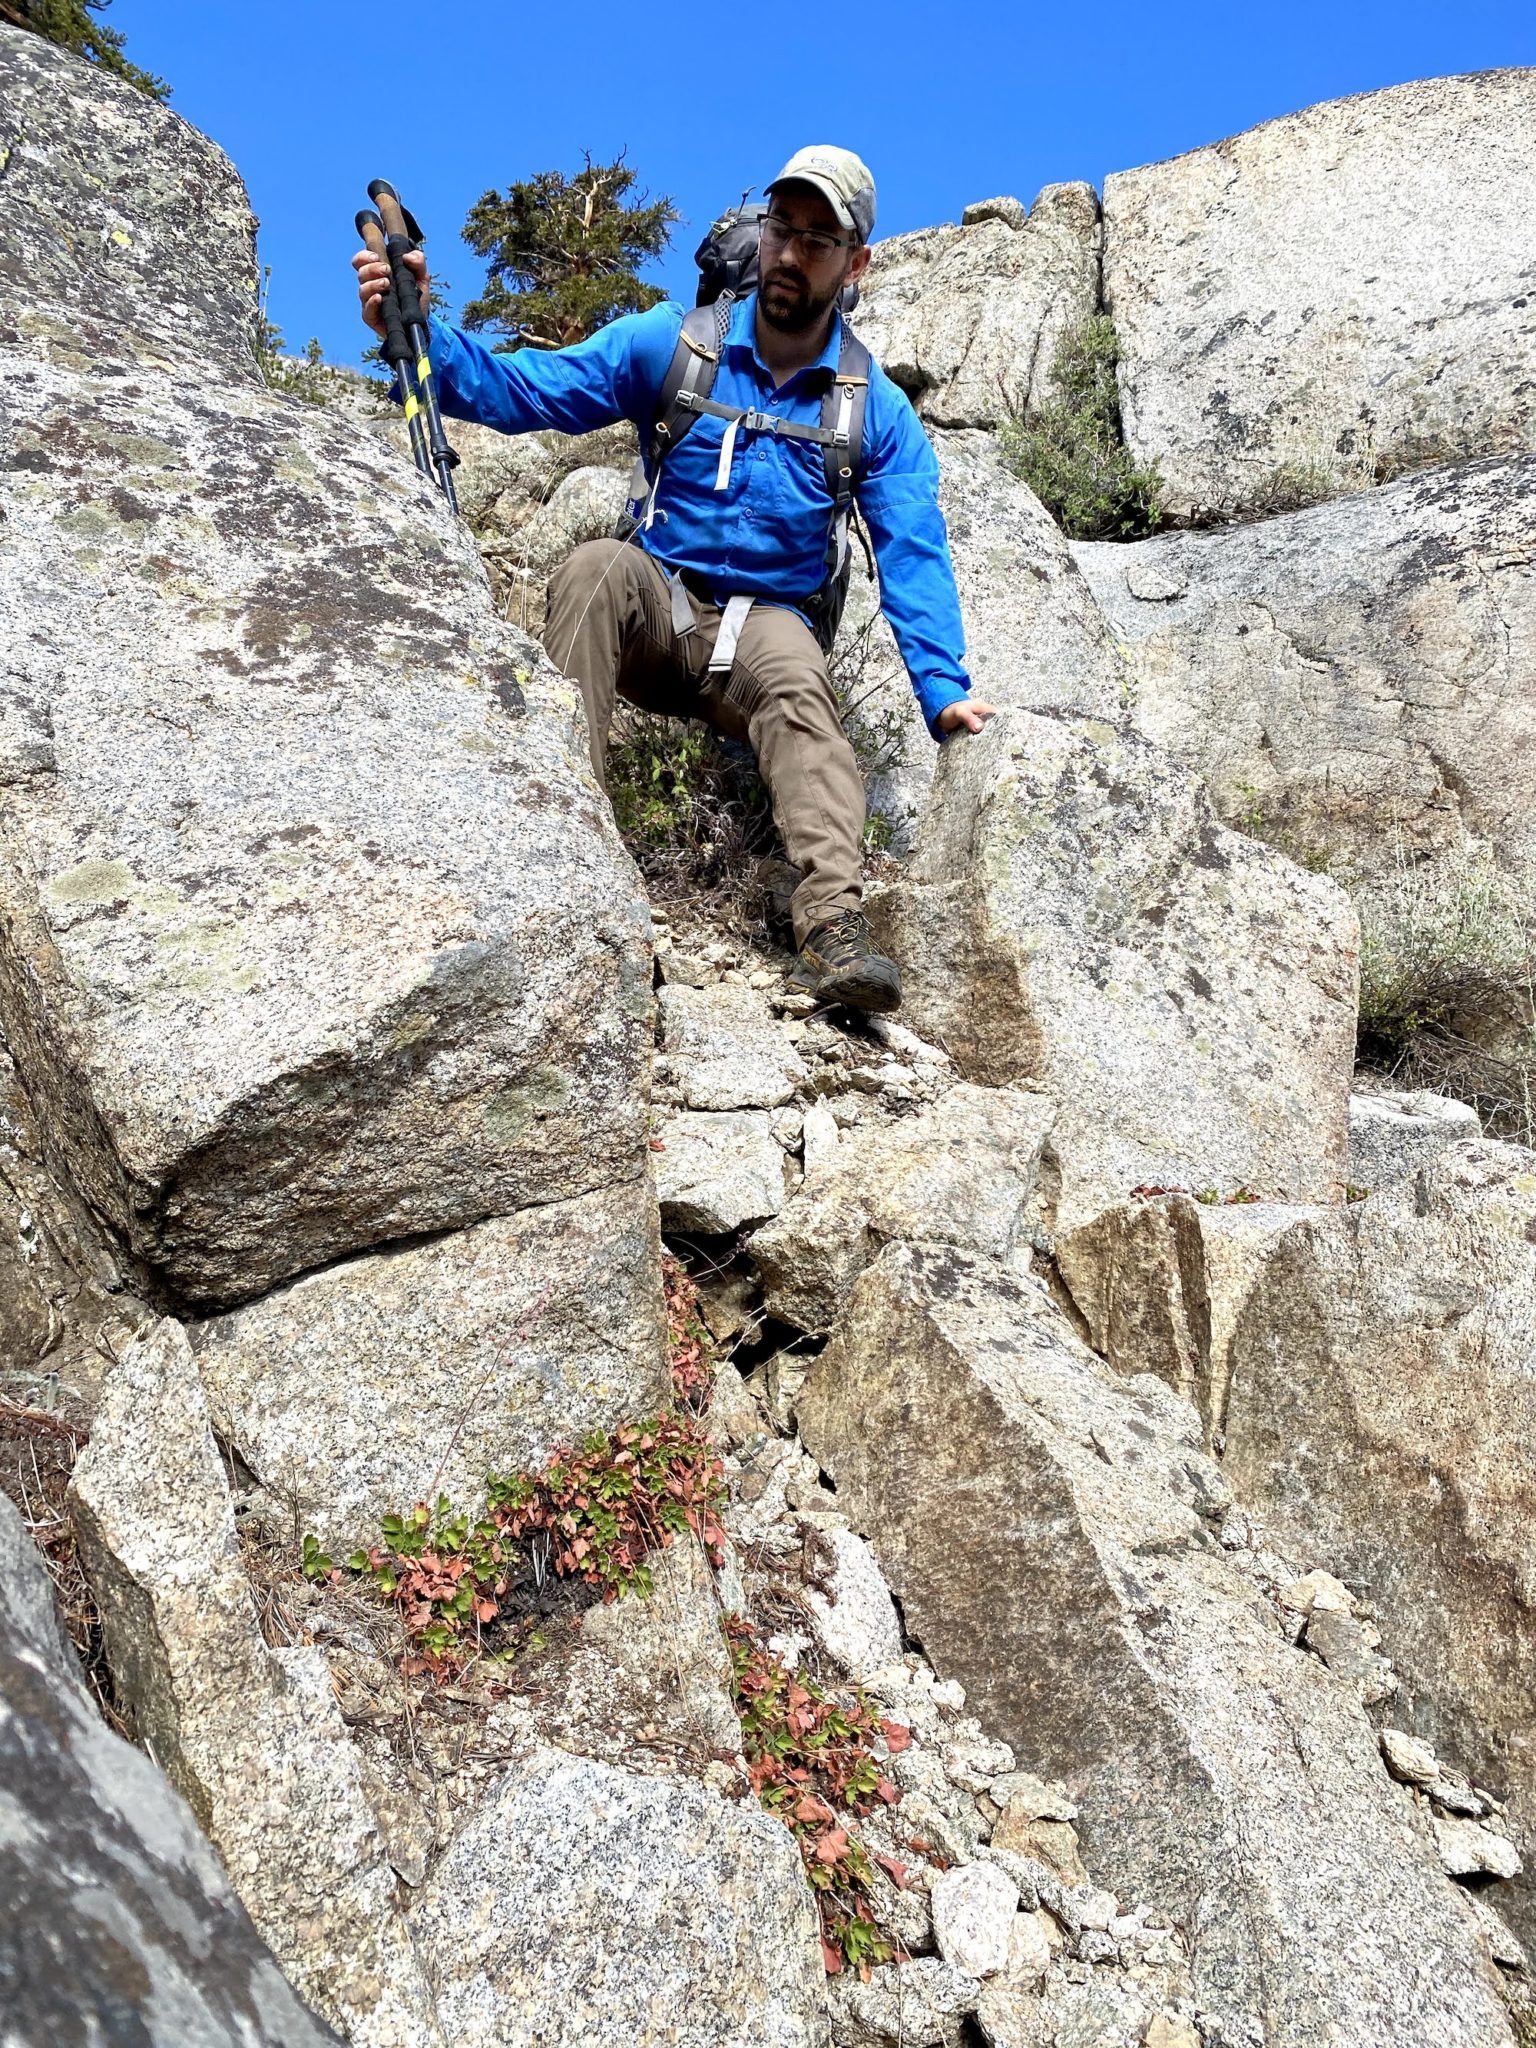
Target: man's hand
(373, 282)
(969, 715)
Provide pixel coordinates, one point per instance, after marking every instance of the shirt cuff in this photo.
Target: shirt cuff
(938, 695)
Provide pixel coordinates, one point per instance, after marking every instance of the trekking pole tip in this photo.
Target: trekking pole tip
(382, 189)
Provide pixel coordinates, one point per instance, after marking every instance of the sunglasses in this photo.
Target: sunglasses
(811, 240)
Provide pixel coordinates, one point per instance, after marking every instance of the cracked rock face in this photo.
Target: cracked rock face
(1383, 1412)
(393, 1377)
(65, 1303)
(1346, 286)
(1160, 1283)
(1034, 637)
(959, 1173)
(252, 1737)
(966, 319)
(1041, 1524)
(1354, 679)
(1075, 917)
(115, 1903)
(563, 1914)
(314, 930)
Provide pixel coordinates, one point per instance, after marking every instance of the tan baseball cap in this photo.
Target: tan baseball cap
(841, 178)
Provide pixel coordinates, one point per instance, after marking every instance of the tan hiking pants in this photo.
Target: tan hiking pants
(609, 626)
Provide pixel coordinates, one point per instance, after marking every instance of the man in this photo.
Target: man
(742, 512)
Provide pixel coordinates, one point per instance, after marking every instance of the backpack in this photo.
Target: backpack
(727, 260)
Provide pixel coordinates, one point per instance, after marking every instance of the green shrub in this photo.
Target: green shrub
(690, 806)
(1072, 451)
(308, 377)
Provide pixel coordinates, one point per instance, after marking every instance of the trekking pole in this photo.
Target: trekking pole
(396, 347)
(401, 237)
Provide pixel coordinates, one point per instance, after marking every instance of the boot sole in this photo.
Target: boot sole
(852, 990)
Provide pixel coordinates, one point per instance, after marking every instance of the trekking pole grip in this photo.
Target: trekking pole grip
(402, 237)
(397, 348)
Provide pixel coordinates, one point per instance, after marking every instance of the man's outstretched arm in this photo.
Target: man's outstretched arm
(609, 376)
(899, 501)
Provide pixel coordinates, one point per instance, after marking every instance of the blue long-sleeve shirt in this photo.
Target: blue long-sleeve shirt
(765, 534)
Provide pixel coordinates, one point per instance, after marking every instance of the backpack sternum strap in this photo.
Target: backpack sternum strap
(750, 420)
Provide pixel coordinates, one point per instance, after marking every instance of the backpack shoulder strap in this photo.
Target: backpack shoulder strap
(842, 414)
(842, 419)
(690, 374)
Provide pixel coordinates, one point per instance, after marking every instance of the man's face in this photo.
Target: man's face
(796, 284)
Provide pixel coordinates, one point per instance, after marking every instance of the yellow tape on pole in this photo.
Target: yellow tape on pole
(412, 407)
(423, 369)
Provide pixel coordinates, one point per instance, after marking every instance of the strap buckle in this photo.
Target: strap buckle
(760, 422)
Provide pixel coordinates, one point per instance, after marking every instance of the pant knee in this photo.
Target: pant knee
(586, 565)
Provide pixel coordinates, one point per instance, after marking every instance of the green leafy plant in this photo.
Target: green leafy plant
(605, 1505)
(813, 1764)
(592, 1513)
(690, 1348)
(1071, 451)
(564, 253)
(68, 23)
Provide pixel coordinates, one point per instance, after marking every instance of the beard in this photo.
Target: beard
(789, 304)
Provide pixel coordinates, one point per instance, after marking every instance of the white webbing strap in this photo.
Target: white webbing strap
(732, 619)
(682, 611)
(727, 450)
(839, 543)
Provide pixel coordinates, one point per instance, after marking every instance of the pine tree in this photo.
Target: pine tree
(68, 23)
(563, 253)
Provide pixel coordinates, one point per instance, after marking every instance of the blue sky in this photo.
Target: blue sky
(312, 98)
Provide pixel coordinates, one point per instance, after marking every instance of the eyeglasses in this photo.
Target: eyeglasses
(812, 241)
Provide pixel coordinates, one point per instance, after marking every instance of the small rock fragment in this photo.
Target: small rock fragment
(1171, 2030)
(974, 1909)
(855, 1618)
(1033, 1796)
(1467, 1850)
(1032, 1941)
(818, 1137)
(1051, 1842)
(1409, 1758)
(1318, 1592)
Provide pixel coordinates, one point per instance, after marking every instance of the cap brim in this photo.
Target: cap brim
(828, 192)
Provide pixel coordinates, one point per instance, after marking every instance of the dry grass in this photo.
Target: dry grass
(37, 1456)
(1448, 984)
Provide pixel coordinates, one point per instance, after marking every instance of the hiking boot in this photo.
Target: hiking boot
(837, 965)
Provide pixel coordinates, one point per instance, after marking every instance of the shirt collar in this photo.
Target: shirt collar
(742, 334)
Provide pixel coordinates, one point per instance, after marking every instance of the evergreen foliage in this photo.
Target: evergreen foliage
(564, 253)
(307, 376)
(1072, 453)
(69, 24)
